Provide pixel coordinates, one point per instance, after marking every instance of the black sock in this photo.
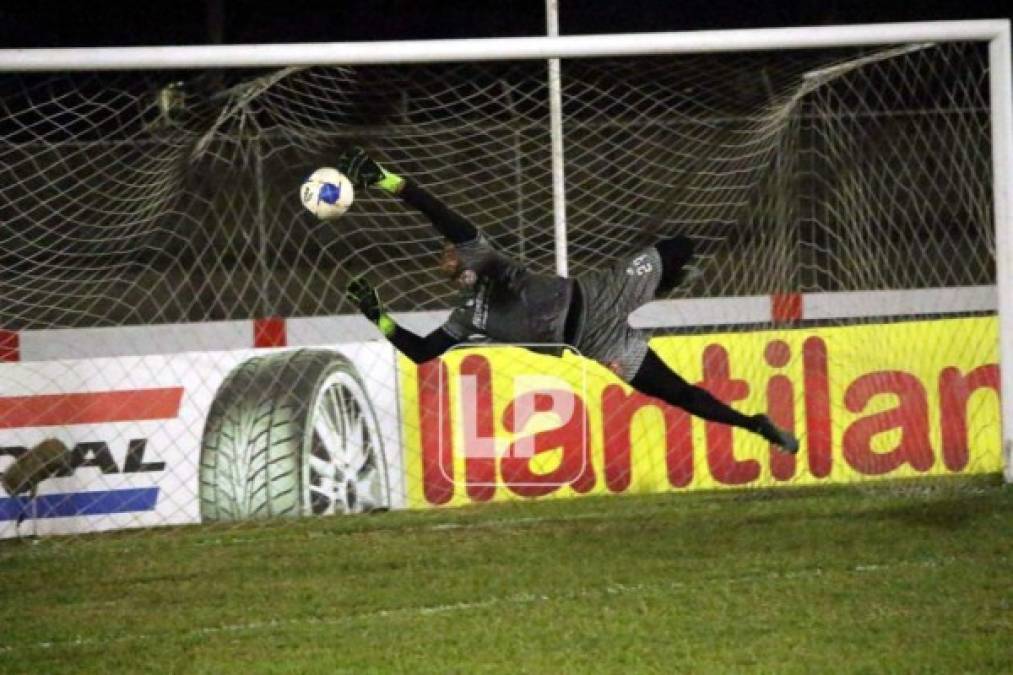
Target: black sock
(656, 379)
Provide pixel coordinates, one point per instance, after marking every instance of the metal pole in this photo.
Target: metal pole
(1001, 75)
(556, 134)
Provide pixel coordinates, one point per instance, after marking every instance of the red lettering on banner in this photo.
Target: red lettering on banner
(816, 385)
(954, 391)
(46, 410)
(679, 449)
(780, 407)
(720, 450)
(618, 411)
(571, 437)
(911, 416)
(434, 432)
(479, 432)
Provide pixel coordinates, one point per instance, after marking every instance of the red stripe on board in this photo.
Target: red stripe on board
(786, 307)
(10, 345)
(269, 332)
(49, 410)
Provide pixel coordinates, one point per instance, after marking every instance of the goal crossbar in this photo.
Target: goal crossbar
(484, 49)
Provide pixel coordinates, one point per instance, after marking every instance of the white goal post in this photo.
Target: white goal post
(309, 99)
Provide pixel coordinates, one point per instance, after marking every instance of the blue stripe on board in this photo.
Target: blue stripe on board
(67, 504)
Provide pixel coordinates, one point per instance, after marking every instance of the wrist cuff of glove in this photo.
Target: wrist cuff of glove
(386, 325)
(391, 182)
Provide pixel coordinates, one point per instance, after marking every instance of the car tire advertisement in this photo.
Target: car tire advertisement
(202, 437)
(292, 433)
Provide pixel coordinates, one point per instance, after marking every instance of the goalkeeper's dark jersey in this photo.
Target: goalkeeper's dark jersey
(504, 302)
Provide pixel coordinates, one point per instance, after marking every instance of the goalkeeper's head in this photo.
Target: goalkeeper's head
(450, 262)
(453, 269)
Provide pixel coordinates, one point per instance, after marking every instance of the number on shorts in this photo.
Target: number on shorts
(640, 266)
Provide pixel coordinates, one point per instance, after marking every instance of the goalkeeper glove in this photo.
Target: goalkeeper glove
(364, 296)
(364, 172)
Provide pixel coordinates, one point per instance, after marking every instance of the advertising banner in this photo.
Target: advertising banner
(159, 440)
(183, 438)
(867, 401)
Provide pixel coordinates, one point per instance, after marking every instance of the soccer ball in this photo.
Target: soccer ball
(327, 193)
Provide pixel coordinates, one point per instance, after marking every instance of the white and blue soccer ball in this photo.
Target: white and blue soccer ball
(327, 193)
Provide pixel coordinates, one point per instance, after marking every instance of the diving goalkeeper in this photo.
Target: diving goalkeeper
(502, 301)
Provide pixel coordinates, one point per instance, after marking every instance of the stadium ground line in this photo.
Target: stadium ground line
(71, 551)
(612, 589)
(38, 546)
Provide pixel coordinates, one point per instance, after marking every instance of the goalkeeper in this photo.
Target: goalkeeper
(503, 302)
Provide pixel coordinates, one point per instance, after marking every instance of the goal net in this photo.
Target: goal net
(175, 318)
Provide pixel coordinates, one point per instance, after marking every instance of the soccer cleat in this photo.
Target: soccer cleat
(785, 440)
(364, 172)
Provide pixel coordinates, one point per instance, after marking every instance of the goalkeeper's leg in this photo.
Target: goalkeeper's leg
(655, 378)
(365, 172)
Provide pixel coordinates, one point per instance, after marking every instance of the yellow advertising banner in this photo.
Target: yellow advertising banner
(873, 401)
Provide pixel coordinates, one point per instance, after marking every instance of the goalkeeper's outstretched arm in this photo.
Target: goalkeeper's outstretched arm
(365, 172)
(418, 349)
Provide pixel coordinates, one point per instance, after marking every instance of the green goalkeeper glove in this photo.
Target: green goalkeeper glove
(365, 297)
(364, 172)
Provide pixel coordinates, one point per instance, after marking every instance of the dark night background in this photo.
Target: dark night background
(50, 23)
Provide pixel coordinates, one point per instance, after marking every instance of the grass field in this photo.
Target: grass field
(913, 579)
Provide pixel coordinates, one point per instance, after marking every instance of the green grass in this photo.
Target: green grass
(912, 578)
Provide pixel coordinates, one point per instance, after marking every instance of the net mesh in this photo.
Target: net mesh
(116, 191)
(130, 200)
